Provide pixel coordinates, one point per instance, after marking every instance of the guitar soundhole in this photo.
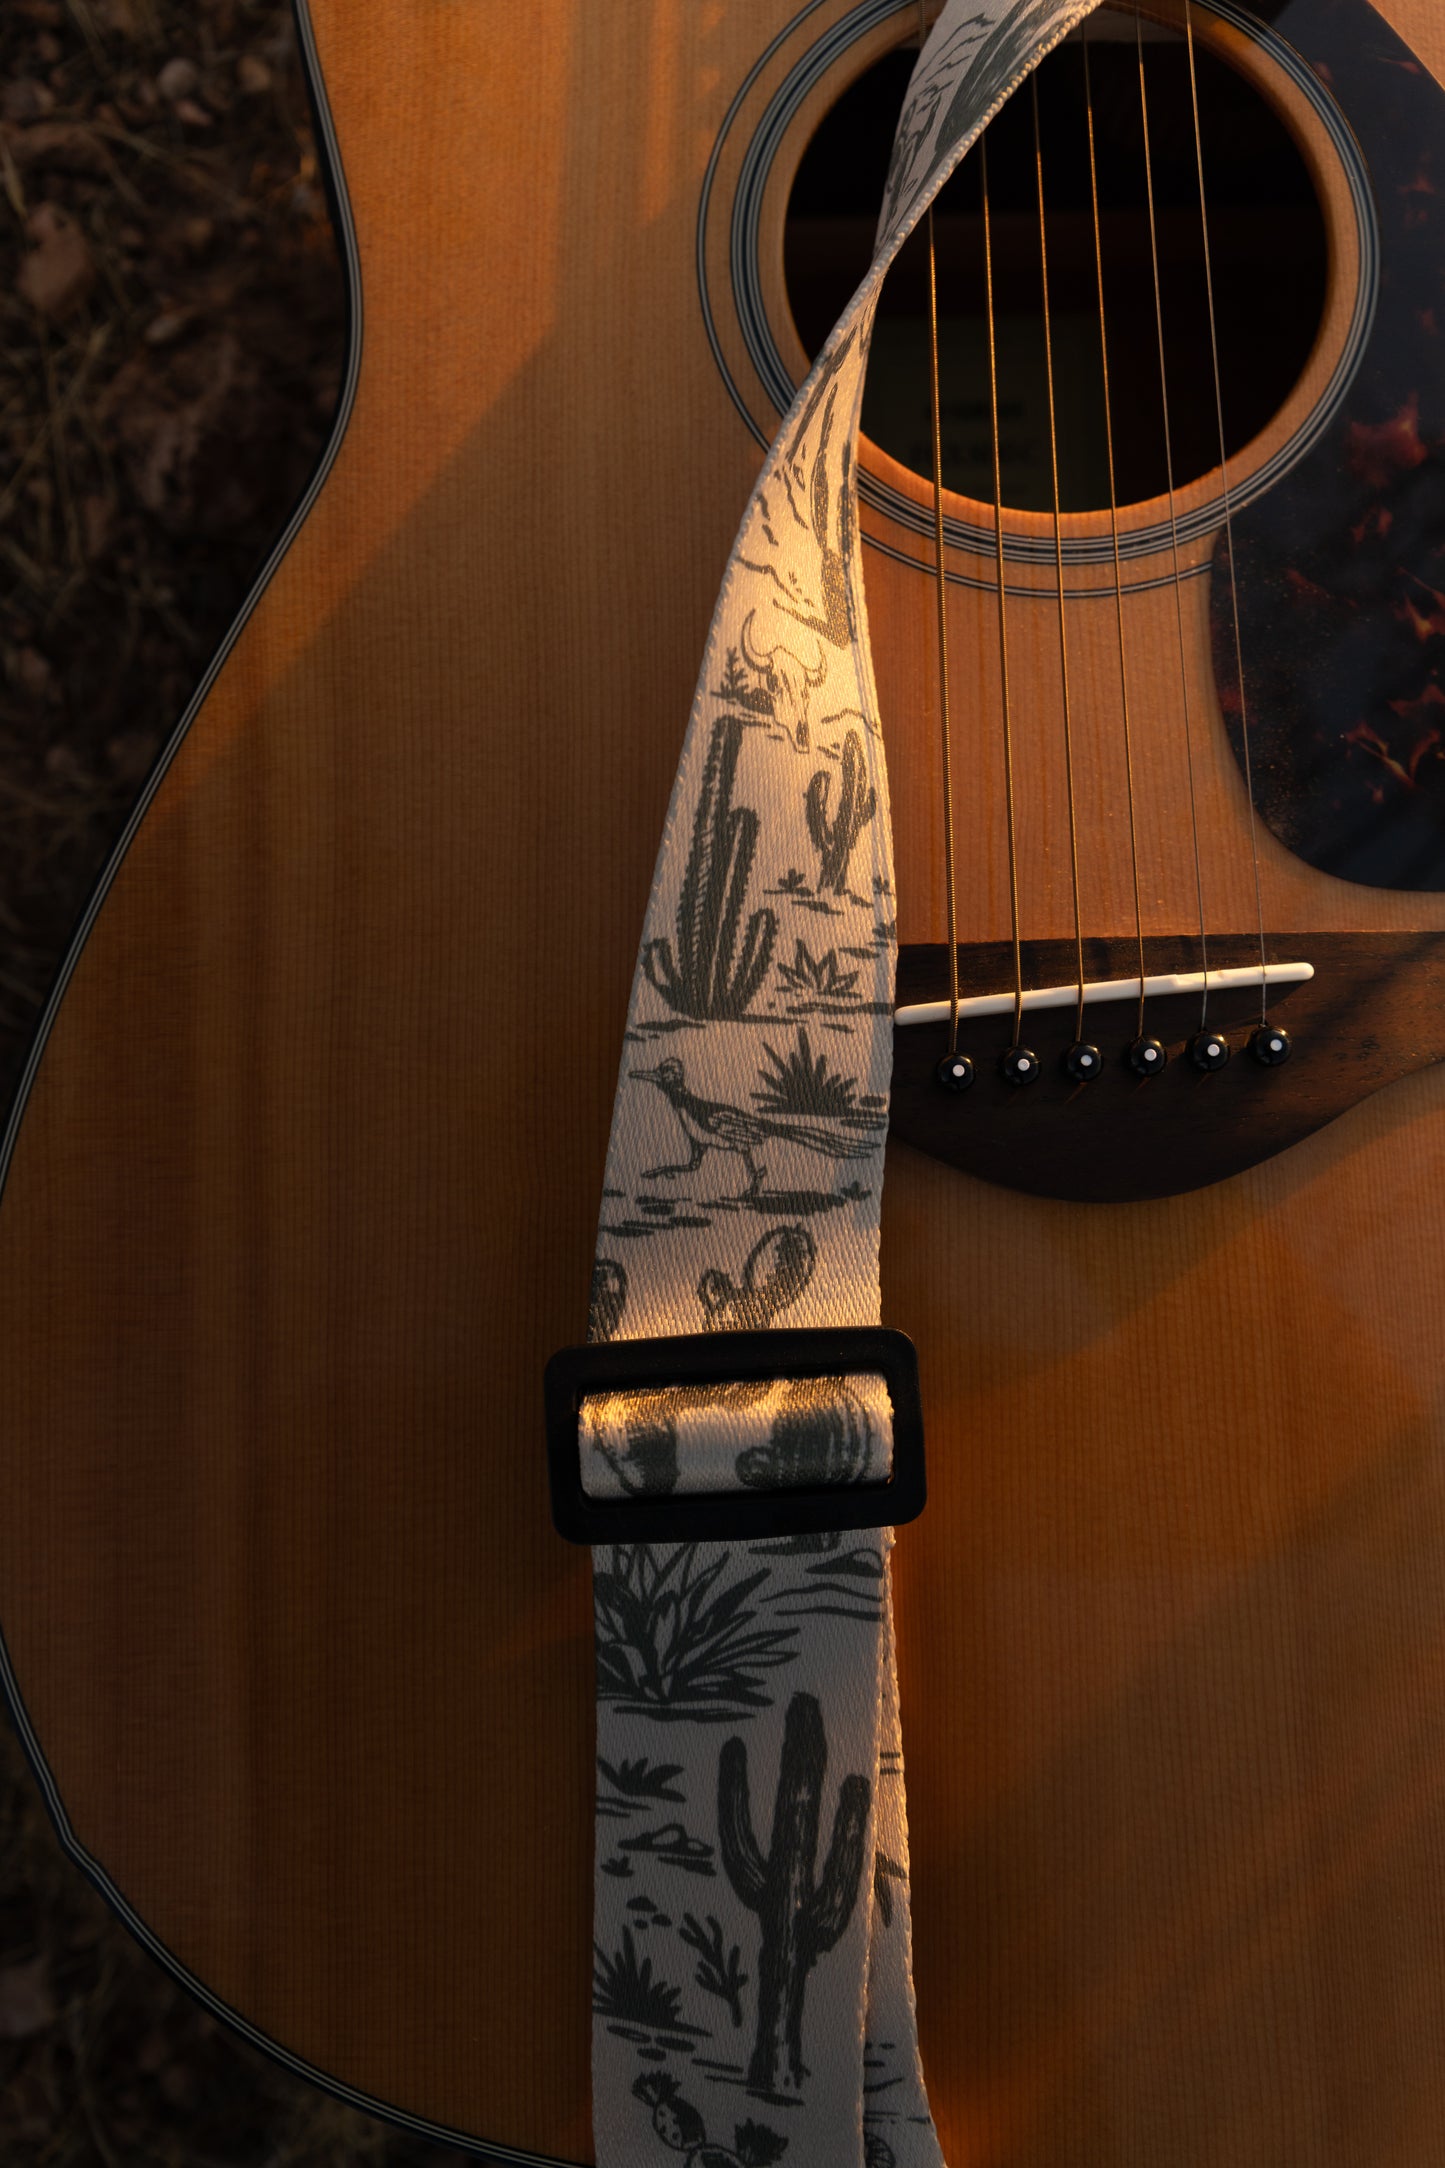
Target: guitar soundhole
(1269, 257)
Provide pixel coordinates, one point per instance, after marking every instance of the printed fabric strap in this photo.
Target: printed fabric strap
(753, 1994)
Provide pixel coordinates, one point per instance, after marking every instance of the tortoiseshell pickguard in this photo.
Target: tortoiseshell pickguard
(1341, 566)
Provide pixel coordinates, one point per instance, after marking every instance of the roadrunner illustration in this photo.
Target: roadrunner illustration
(711, 1125)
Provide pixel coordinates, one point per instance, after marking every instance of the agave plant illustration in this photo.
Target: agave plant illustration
(676, 1639)
(800, 1082)
(810, 974)
(642, 1779)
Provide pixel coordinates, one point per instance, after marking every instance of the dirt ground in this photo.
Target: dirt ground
(172, 321)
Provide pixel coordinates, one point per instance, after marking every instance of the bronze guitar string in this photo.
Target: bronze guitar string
(942, 601)
(936, 421)
(935, 417)
(1002, 591)
(1228, 521)
(1114, 526)
(1173, 525)
(1059, 564)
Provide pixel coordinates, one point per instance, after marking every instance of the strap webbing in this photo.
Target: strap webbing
(753, 1994)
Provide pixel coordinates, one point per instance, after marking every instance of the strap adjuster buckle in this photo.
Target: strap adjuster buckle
(724, 1358)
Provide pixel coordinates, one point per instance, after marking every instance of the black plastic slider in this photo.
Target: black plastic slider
(724, 1358)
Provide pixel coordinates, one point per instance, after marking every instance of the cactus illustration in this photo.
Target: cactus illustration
(801, 1919)
(710, 978)
(675, 2120)
(857, 805)
(775, 1272)
(680, 2127)
(808, 1446)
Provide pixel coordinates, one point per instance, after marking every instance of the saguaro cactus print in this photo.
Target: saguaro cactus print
(801, 1918)
(857, 804)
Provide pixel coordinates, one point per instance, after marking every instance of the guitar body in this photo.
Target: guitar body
(305, 1191)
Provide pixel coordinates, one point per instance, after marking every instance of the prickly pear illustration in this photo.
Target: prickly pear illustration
(680, 2127)
(801, 1917)
(775, 1272)
(675, 2120)
(857, 803)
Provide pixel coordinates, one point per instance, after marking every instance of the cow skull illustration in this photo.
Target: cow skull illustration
(788, 680)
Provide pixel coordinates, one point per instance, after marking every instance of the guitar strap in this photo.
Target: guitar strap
(753, 1996)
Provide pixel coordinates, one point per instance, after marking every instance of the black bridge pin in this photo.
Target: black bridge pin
(1083, 1062)
(1146, 1057)
(1209, 1050)
(1270, 1044)
(1020, 1065)
(955, 1072)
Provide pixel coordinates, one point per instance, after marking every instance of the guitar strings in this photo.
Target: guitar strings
(1173, 527)
(942, 595)
(1059, 565)
(1228, 522)
(1002, 591)
(1114, 527)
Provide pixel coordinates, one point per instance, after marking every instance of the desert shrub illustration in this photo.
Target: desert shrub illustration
(801, 1917)
(676, 1639)
(709, 978)
(857, 803)
(812, 1446)
(741, 691)
(719, 1970)
(642, 1779)
(624, 1987)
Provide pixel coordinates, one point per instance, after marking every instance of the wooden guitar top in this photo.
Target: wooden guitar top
(306, 1188)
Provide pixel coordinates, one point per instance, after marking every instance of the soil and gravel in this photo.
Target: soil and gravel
(172, 323)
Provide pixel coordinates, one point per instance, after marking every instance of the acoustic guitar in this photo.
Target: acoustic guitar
(303, 1188)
